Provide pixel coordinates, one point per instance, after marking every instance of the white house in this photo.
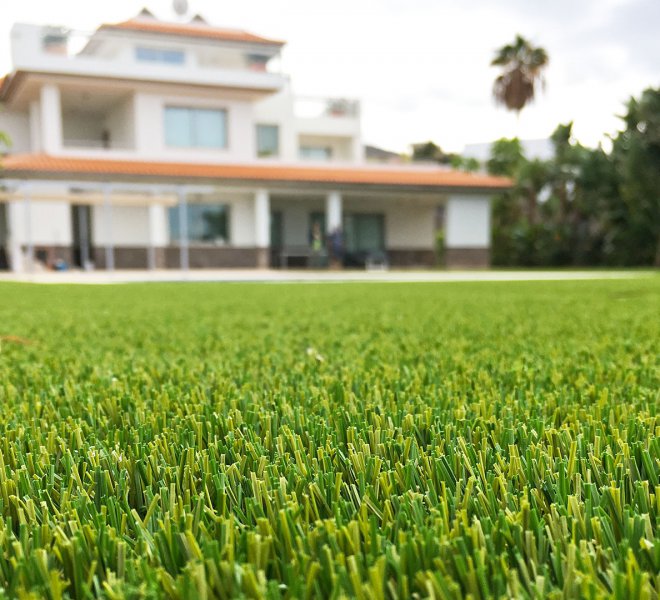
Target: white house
(150, 144)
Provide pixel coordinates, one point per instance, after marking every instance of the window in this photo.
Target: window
(195, 127)
(315, 153)
(257, 62)
(205, 223)
(171, 57)
(268, 140)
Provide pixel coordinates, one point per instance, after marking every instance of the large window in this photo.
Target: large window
(208, 223)
(268, 140)
(315, 153)
(162, 55)
(195, 127)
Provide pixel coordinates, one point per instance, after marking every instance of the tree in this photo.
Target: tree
(636, 154)
(506, 156)
(522, 66)
(429, 151)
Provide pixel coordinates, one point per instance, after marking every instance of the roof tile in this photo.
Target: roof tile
(195, 30)
(42, 166)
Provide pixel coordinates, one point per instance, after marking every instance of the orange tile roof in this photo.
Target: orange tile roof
(42, 166)
(196, 30)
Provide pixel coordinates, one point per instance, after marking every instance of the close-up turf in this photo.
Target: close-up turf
(370, 441)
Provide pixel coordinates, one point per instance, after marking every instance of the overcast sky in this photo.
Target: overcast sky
(421, 67)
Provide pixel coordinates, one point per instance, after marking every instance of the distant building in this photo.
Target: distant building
(541, 149)
(150, 144)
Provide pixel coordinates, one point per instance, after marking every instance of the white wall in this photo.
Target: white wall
(49, 221)
(120, 122)
(150, 128)
(467, 222)
(410, 227)
(129, 226)
(81, 127)
(17, 126)
(242, 228)
(277, 109)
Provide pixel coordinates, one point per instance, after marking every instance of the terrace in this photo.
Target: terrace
(110, 54)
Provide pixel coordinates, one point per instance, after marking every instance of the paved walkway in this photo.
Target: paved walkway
(302, 276)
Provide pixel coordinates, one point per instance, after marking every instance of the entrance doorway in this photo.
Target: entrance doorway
(81, 227)
(364, 238)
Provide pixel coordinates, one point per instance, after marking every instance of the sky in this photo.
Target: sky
(421, 68)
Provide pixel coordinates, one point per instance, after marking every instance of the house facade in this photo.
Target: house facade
(149, 144)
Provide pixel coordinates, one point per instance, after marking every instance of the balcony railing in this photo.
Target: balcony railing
(73, 44)
(79, 143)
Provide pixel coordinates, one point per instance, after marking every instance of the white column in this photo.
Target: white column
(262, 219)
(262, 227)
(333, 211)
(107, 217)
(29, 243)
(50, 118)
(15, 214)
(184, 256)
(157, 232)
(35, 126)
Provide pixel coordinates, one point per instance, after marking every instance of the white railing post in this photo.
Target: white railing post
(107, 213)
(184, 257)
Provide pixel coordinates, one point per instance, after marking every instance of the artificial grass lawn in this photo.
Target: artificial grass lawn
(354, 440)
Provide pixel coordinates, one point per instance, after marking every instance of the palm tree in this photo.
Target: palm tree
(522, 66)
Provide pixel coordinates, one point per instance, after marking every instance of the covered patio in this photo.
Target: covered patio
(108, 214)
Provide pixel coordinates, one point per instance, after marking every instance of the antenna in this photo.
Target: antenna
(180, 7)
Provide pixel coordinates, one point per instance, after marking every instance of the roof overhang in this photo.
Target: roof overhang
(40, 166)
(11, 84)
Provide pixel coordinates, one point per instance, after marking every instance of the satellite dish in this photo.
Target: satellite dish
(180, 7)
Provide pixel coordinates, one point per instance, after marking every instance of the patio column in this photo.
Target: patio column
(50, 118)
(157, 233)
(333, 211)
(15, 217)
(29, 244)
(107, 217)
(262, 227)
(184, 254)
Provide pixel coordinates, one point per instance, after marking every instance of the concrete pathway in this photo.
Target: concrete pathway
(306, 276)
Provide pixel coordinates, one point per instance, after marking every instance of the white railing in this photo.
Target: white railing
(73, 44)
(95, 144)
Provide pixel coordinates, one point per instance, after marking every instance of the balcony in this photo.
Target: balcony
(335, 117)
(312, 107)
(110, 55)
(98, 120)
